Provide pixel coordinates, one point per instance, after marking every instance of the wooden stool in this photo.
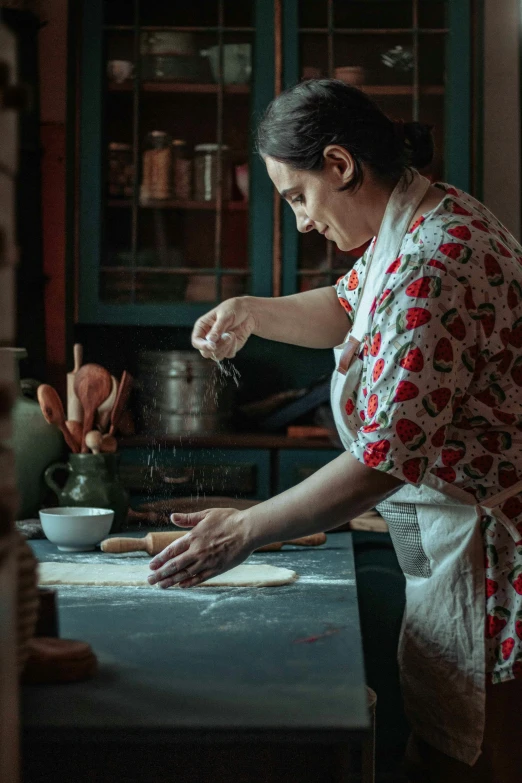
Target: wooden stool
(368, 748)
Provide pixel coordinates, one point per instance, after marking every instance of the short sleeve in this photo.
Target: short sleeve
(348, 286)
(340, 287)
(420, 357)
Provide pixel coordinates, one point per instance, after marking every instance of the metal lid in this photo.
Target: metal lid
(158, 139)
(174, 363)
(210, 147)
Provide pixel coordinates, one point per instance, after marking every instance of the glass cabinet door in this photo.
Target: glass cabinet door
(396, 51)
(172, 92)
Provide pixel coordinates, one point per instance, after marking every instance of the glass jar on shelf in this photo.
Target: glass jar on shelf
(206, 172)
(181, 170)
(120, 170)
(156, 178)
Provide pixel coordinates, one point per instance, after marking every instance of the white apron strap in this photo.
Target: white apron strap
(400, 210)
(492, 506)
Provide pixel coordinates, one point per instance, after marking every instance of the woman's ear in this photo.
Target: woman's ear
(340, 163)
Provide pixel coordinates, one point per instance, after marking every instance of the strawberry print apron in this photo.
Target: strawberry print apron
(436, 530)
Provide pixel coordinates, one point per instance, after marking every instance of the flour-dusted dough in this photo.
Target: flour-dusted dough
(101, 575)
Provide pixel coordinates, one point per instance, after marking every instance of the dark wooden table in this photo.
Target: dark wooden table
(211, 684)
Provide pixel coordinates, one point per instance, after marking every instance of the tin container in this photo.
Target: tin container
(179, 392)
(206, 168)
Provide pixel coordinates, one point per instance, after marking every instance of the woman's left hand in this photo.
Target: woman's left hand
(219, 540)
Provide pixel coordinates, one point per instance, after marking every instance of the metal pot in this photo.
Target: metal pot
(179, 392)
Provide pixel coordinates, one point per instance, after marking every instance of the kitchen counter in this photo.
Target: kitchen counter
(241, 674)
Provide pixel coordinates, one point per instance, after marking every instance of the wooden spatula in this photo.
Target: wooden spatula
(154, 543)
(53, 412)
(92, 386)
(76, 430)
(124, 390)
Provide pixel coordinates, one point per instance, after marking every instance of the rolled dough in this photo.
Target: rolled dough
(101, 574)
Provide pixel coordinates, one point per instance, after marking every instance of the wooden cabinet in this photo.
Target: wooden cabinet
(413, 57)
(296, 465)
(203, 73)
(154, 473)
(241, 465)
(171, 216)
(10, 103)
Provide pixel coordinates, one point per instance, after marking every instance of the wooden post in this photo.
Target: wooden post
(278, 62)
(11, 100)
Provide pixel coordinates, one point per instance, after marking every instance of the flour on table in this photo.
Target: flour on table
(101, 574)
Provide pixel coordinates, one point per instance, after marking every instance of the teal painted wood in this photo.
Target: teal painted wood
(73, 19)
(291, 70)
(477, 164)
(175, 314)
(292, 463)
(458, 112)
(458, 95)
(92, 310)
(520, 81)
(261, 233)
(181, 456)
(90, 206)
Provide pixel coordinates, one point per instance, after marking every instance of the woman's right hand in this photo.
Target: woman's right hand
(223, 331)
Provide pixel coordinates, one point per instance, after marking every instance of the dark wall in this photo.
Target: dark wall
(30, 279)
(266, 367)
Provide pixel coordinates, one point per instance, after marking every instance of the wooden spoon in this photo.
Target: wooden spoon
(109, 444)
(93, 440)
(121, 400)
(92, 386)
(104, 411)
(76, 430)
(53, 412)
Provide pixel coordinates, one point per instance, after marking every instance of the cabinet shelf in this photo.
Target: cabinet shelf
(181, 87)
(228, 206)
(244, 89)
(376, 30)
(120, 239)
(150, 28)
(401, 89)
(178, 270)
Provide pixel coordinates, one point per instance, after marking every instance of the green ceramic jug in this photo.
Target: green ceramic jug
(93, 480)
(35, 444)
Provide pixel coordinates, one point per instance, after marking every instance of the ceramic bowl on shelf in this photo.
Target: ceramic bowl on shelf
(119, 71)
(76, 529)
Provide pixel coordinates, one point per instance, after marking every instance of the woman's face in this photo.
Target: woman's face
(317, 202)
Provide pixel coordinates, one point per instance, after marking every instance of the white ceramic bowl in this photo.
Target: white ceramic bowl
(76, 529)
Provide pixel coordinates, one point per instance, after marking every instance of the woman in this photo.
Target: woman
(427, 403)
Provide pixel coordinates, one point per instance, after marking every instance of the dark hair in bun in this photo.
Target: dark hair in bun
(306, 118)
(418, 140)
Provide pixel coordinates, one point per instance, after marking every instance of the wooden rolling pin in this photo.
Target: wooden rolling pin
(154, 543)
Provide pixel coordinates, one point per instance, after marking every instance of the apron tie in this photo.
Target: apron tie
(496, 501)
